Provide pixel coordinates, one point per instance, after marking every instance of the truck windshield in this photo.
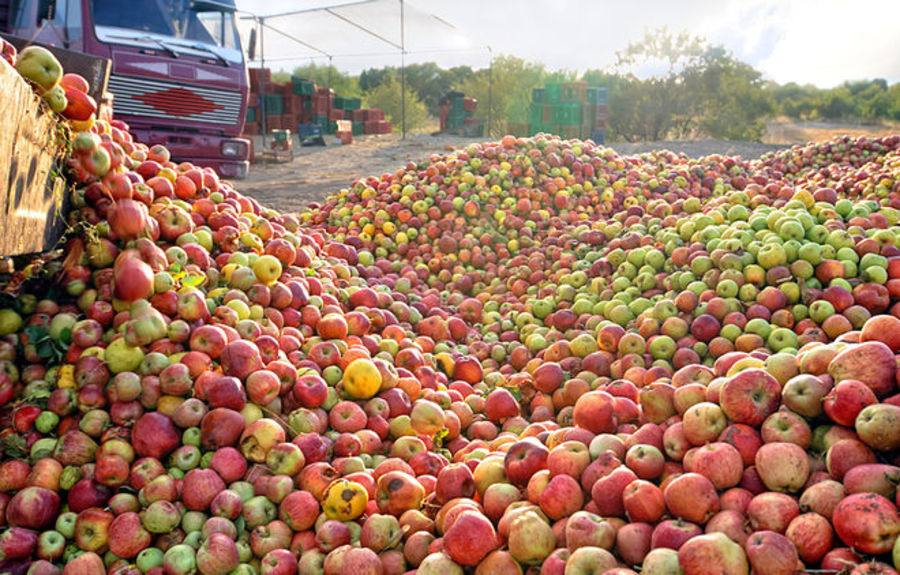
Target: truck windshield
(171, 19)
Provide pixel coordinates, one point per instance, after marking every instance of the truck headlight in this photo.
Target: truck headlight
(234, 149)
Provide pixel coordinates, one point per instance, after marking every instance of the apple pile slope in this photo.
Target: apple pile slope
(530, 355)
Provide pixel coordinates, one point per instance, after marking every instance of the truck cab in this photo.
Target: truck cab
(178, 72)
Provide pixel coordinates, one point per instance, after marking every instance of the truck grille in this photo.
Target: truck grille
(162, 99)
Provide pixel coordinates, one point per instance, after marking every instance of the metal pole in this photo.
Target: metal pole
(403, 70)
(329, 72)
(262, 80)
(490, 91)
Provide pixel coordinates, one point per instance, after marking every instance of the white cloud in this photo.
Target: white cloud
(828, 42)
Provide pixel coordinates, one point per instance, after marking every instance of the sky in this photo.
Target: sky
(820, 42)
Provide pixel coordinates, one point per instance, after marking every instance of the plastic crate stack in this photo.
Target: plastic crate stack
(457, 115)
(571, 110)
(299, 104)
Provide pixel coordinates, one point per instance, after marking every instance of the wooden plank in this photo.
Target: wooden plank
(32, 189)
(95, 70)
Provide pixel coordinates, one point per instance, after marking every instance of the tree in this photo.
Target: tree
(388, 96)
(795, 101)
(693, 88)
(428, 80)
(733, 101)
(662, 105)
(507, 87)
(838, 104)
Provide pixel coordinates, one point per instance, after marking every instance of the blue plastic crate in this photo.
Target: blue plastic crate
(308, 130)
(597, 95)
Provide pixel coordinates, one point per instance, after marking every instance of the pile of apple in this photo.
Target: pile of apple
(64, 94)
(531, 355)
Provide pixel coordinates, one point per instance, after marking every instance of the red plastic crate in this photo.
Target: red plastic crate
(470, 104)
(251, 129)
(319, 105)
(335, 115)
(359, 116)
(292, 104)
(574, 92)
(374, 115)
(370, 127)
(384, 127)
(256, 75)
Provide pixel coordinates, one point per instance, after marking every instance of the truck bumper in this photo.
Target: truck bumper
(234, 170)
(228, 156)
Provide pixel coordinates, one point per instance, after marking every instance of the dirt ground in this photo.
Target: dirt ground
(316, 172)
(784, 131)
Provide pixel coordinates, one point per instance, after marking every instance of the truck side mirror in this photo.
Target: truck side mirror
(251, 45)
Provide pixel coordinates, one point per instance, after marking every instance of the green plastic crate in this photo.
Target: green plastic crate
(303, 87)
(456, 105)
(539, 127)
(274, 105)
(538, 95)
(352, 104)
(535, 113)
(455, 120)
(357, 128)
(251, 115)
(552, 93)
(319, 120)
(338, 103)
(567, 114)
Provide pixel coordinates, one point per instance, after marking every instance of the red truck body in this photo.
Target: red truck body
(178, 72)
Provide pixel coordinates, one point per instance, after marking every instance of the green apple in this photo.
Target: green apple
(791, 290)
(811, 253)
(40, 67)
(781, 338)
(10, 321)
(730, 332)
(820, 310)
(875, 274)
(61, 326)
(542, 308)
(582, 345)
(120, 356)
(662, 347)
(771, 255)
(758, 326)
(727, 288)
(56, 99)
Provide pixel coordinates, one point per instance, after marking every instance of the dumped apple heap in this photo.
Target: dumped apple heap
(527, 355)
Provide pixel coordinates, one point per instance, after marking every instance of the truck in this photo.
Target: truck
(178, 75)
